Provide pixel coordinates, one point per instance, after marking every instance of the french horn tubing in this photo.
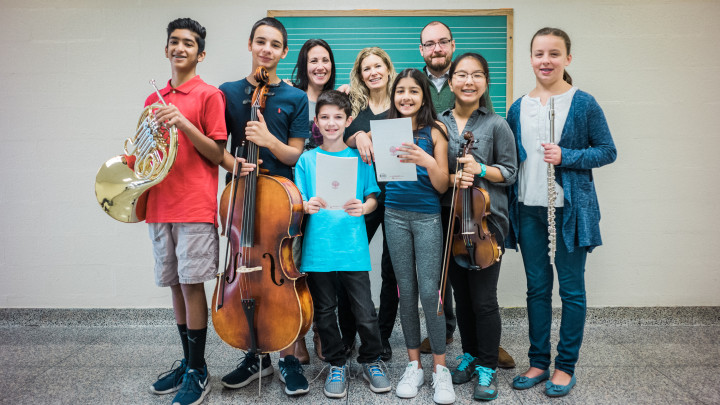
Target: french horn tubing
(122, 182)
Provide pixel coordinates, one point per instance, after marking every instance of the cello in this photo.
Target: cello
(261, 302)
(473, 246)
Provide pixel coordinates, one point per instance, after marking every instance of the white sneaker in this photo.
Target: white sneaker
(411, 380)
(442, 382)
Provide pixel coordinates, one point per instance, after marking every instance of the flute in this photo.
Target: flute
(552, 194)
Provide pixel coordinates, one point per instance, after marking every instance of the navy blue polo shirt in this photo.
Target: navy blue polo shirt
(286, 116)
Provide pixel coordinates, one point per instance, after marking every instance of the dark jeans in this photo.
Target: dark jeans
(570, 267)
(357, 286)
(478, 312)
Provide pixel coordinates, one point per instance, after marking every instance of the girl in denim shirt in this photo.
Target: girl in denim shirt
(582, 142)
(492, 165)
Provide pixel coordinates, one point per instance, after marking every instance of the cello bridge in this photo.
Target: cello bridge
(244, 269)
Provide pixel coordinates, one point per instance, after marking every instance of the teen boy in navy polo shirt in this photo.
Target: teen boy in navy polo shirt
(280, 132)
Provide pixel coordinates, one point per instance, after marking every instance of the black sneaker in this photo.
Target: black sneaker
(247, 371)
(170, 380)
(291, 373)
(194, 387)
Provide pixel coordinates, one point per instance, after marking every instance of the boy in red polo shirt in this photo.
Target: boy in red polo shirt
(182, 210)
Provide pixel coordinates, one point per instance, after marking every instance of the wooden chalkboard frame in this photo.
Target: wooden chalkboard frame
(506, 12)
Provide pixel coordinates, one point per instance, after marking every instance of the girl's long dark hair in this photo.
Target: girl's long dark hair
(299, 75)
(426, 116)
(556, 32)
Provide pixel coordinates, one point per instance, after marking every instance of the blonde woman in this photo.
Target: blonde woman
(371, 82)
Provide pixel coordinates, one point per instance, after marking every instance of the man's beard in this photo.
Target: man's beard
(439, 66)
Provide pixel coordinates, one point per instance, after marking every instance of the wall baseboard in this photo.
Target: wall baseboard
(108, 317)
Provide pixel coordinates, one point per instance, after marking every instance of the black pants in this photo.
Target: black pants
(388, 291)
(357, 287)
(478, 312)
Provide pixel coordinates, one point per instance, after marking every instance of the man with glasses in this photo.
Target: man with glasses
(437, 47)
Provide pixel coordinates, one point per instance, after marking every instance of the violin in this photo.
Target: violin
(261, 302)
(473, 246)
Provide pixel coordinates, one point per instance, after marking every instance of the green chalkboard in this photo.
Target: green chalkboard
(488, 32)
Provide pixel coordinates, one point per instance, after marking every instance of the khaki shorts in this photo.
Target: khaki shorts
(185, 252)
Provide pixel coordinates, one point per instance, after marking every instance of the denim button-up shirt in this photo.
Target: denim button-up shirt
(494, 146)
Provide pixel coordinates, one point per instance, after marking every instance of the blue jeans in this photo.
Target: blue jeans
(533, 241)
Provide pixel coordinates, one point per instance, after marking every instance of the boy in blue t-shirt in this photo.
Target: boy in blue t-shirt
(335, 245)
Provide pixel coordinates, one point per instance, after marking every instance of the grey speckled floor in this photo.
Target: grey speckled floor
(629, 356)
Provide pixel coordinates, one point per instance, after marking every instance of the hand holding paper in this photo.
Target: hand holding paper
(354, 207)
(411, 153)
(335, 180)
(314, 204)
(389, 136)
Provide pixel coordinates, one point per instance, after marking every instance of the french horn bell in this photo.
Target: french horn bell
(122, 182)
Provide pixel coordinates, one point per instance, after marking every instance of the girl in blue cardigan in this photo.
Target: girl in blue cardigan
(582, 142)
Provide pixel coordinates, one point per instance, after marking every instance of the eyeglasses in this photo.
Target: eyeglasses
(476, 76)
(444, 43)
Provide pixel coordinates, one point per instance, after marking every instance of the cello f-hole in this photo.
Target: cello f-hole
(272, 270)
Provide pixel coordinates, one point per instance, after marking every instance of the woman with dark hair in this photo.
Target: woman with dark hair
(314, 73)
(491, 165)
(412, 213)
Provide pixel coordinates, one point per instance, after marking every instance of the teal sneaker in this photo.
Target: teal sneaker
(486, 389)
(194, 387)
(170, 380)
(465, 370)
(335, 383)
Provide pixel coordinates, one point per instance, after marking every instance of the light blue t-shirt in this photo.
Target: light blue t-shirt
(334, 240)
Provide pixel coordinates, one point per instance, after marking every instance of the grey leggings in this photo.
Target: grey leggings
(415, 242)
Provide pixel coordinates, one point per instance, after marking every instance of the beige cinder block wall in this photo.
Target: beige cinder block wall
(74, 79)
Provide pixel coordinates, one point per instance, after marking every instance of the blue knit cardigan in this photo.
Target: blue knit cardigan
(585, 144)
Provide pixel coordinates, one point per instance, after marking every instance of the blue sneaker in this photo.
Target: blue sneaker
(486, 389)
(335, 384)
(376, 377)
(194, 387)
(465, 370)
(291, 373)
(170, 380)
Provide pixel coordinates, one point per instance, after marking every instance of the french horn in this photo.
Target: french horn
(122, 182)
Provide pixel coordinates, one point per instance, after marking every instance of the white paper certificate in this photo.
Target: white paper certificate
(387, 137)
(335, 179)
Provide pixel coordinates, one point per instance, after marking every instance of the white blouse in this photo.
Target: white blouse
(535, 130)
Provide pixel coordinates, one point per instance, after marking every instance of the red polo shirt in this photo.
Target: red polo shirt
(189, 192)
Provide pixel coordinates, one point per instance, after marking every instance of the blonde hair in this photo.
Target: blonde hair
(359, 93)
